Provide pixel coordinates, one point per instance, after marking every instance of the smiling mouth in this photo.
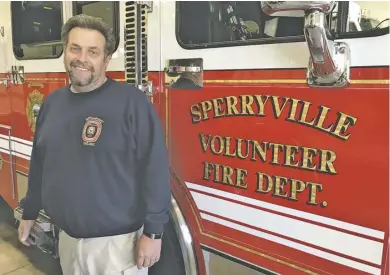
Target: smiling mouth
(80, 68)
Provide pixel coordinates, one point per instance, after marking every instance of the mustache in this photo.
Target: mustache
(81, 65)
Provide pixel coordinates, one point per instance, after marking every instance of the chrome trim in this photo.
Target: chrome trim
(136, 17)
(185, 238)
(183, 69)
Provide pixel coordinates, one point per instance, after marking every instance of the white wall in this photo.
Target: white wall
(378, 10)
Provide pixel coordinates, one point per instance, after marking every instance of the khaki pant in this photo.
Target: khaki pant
(114, 255)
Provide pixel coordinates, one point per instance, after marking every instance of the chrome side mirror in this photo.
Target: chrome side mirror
(329, 61)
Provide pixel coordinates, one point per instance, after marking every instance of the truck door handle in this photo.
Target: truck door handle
(184, 74)
(183, 69)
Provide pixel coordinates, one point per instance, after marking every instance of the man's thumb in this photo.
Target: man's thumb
(23, 233)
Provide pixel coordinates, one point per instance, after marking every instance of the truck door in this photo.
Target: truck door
(278, 131)
(7, 161)
(36, 51)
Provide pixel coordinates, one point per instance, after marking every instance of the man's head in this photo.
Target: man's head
(88, 46)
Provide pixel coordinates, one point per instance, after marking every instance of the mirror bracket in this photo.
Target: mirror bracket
(338, 77)
(329, 62)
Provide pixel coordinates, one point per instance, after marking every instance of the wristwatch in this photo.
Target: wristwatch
(153, 236)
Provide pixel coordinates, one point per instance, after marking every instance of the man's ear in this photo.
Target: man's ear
(107, 59)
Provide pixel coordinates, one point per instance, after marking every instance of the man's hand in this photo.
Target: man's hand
(24, 231)
(148, 251)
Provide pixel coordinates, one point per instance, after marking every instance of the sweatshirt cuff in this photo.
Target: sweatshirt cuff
(153, 228)
(30, 214)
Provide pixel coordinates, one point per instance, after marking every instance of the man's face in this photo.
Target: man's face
(85, 59)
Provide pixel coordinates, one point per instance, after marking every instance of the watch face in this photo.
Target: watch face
(154, 236)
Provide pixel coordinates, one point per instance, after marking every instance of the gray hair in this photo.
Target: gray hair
(92, 23)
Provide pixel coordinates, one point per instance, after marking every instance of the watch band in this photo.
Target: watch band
(153, 236)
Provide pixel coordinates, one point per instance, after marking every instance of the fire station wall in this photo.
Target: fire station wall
(378, 11)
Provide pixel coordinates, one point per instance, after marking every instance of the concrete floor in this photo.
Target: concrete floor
(17, 259)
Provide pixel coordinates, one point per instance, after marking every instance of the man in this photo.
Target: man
(99, 165)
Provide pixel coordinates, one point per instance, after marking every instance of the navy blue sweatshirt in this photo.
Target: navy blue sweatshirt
(99, 164)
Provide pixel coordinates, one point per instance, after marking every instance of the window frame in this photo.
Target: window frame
(37, 44)
(116, 17)
(263, 41)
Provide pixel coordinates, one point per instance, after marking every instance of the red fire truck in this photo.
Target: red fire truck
(276, 117)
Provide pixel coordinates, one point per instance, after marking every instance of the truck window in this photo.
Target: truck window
(363, 18)
(204, 24)
(220, 23)
(108, 11)
(36, 29)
